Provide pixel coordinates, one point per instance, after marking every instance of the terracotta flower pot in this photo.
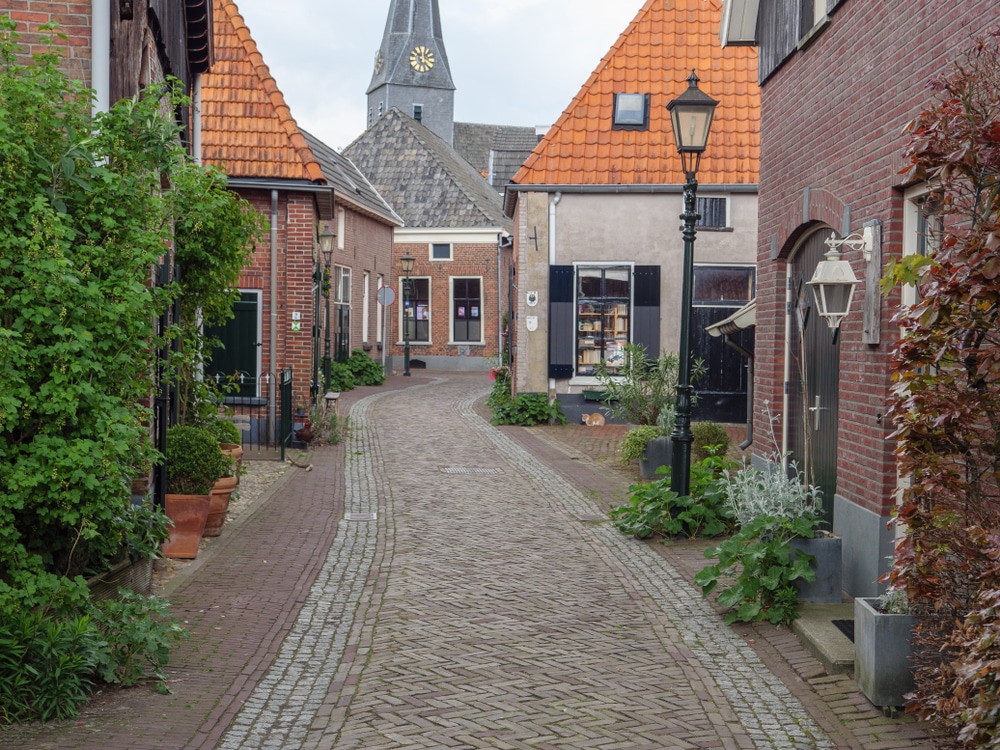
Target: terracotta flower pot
(188, 513)
(234, 451)
(219, 506)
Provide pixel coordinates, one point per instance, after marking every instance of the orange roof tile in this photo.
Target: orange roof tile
(247, 129)
(654, 56)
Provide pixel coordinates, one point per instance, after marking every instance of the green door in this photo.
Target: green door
(238, 357)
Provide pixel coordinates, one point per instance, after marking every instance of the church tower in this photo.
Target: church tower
(411, 70)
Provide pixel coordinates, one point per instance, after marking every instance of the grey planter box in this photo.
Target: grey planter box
(828, 586)
(882, 649)
(659, 452)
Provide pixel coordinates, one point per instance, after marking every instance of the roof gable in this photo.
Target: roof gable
(247, 128)
(654, 56)
(424, 179)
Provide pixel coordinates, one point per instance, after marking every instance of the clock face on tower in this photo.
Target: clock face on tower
(421, 59)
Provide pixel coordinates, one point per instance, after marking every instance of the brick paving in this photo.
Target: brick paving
(470, 597)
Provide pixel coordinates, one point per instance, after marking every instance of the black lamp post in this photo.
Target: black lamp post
(691, 116)
(406, 264)
(326, 247)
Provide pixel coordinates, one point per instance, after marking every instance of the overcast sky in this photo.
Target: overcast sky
(514, 62)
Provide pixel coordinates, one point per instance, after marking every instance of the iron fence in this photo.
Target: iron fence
(263, 411)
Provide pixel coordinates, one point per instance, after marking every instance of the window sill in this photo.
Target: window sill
(714, 229)
(810, 36)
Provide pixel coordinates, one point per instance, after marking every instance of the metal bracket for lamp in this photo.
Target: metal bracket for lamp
(863, 242)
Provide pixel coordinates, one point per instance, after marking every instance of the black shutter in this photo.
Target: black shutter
(646, 309)
(561, 340)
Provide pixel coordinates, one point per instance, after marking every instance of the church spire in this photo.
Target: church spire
(411, 71)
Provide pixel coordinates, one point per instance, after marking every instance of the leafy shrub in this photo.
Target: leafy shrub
(148, 529)
(46, 665)
(341, 377)
(708, 435)
(224, 430)
(636, 440)
(764, 566)
(642, 388)
(137, 633)
(528, 409)
(655, 509)
(366, 371)
(771, 508)
(194, 461)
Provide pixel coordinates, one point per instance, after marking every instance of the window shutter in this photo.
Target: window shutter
(646, 309)
(561, 287)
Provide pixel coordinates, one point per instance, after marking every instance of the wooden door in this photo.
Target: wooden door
(814, 377)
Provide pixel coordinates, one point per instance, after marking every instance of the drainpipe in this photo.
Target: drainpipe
(553, 202)
(196, 121)
(100, 55)
(273, 344)
(788, 367)
(499, 303)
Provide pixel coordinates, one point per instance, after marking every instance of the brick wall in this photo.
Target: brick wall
(479, 260)
(73, 19)
(832, 121)
(295, 265)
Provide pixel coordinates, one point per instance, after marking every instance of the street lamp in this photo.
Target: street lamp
(406, 264)
(326, 247)
(691, 116)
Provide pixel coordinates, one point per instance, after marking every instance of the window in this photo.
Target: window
(467, 310)
(416, 308)
(713, 212)
(631, 112)
(365, 304)
(418, 112)
(729, 286)
(342, 285)
(921, 230)
(603, 303)
(812, 19)
(440, 251)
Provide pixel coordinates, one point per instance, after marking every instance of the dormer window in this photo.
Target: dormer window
(631, 112)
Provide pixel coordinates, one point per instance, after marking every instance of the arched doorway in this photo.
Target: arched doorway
(814, 377)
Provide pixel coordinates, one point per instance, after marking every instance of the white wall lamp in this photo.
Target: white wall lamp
(833, 282)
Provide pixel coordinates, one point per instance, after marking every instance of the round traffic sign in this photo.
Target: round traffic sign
(386, 295)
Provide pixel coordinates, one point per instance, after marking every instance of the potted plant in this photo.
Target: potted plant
(194, 462)
(776, 512)
(230, 440)
(642, 392)
(883, 638)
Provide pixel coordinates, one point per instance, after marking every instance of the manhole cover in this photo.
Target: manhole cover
(469, 470)
(360, 516)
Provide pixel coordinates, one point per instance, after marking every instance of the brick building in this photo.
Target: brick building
(840, 79)
(303, 189)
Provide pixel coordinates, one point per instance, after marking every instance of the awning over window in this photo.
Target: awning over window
(745, 317)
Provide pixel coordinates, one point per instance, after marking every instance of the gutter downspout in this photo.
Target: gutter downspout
(499, 303)
(196, 121)
(100, 55)
(553, 202)
(273, 343)
(788, 367)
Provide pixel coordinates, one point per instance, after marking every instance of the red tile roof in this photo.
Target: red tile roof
(247, 129)
(654, 56)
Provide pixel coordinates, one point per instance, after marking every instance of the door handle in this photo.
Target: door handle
(816, 409)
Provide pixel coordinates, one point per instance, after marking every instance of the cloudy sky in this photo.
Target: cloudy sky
(514, 62)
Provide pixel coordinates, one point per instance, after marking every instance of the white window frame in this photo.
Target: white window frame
(729, 211)
(365, 305)
(592, 379)
(430, 252)
(912, 200)
(342, 285)
(451, 312)
(430, 311)
(379, 311)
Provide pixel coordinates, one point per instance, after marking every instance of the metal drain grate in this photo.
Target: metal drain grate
(360, 516)
(469, 470)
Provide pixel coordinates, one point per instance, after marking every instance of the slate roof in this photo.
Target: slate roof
(247, 128)
(348, 183)
(411, 23)
(425, 180)
(654, 56)
(497, 151)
